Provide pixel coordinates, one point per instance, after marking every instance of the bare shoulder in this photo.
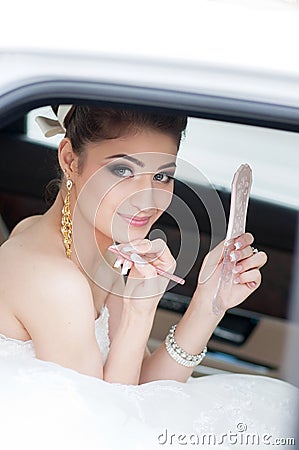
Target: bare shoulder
(58, 313)
(36, 282)
(51, 298)
(24, 224)
(56, 283)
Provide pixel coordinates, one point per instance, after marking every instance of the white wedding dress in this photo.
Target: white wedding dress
(46, 406)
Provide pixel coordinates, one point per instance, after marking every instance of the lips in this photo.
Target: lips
(135, 221)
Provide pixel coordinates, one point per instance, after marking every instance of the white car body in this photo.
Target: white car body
(245, 49)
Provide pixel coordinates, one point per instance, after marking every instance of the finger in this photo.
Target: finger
(238, 255)
(215, 256)
(146, 246)
(243, 241)
(132, 246)
(125, 251)
(156, 252)
(257, 260)
(146, 270)
(119, 261)
(252, 278)
(126, 266)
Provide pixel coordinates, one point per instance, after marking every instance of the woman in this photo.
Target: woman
(64, 300)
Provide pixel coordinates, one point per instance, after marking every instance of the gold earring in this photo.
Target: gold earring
(66, 221)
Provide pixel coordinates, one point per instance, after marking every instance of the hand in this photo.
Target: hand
(246, 272)
(144, 287)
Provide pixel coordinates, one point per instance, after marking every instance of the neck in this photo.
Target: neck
(89, 246)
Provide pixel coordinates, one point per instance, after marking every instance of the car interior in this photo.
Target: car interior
(250, 338)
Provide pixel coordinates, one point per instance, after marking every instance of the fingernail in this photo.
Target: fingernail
(237, 268)
(233, 256)
(126, 267)
(137, 259)
(128, 248)
(238, 245)
(118, 263)
(252, 284)
(236, 280)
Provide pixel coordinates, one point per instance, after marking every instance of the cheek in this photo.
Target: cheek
(163, 197)
(107, 220)
(113, 198)
(93, 195)
(107, 207)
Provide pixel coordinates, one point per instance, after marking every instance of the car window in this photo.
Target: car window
(210, 152)
(218, 148)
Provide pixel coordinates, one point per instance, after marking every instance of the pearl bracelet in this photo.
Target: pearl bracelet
(178, 354)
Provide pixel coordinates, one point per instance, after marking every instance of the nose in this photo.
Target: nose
(146, 196)
(143, 196)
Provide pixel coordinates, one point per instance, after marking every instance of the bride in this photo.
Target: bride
(75, 368)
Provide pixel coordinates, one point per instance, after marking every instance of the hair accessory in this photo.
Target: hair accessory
(51, 127)
(178, 354)
(66, 221)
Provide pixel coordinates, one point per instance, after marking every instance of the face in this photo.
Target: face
(125, 185)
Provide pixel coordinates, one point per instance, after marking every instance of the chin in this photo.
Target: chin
(125, 234)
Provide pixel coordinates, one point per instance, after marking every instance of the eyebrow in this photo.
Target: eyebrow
(138, 162)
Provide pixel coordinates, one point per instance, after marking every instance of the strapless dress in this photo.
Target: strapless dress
(49, 407)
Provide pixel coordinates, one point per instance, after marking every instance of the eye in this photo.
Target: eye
(121, 171)
(164, 177)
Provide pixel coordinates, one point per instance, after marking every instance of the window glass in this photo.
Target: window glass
(218, 148)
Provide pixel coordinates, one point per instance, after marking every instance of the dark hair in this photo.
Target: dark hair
(89, 124)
